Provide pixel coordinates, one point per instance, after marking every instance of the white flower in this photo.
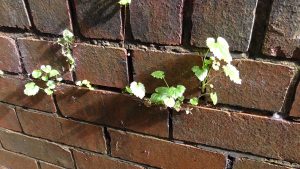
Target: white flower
(233, 73)
(169, 102)
(138, 89)
(220, 49)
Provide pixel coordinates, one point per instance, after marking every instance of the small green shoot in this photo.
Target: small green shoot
(85, 83)
(66, 42)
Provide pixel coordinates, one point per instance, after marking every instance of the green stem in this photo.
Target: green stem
(165, 82)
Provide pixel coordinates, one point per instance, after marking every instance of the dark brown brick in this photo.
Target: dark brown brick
(36, 148)
(162, 154)
(96, 161)
(252, 164)
(156, 21)
(229, 19)
(9, 160)
(112, 109)
(9, 56)
(264, 85)
(282, 37)
(102, 66)
(39, 52)
(296, 105)
(64, 131)
(12, 91)
(99, 19)
(259, 135)
(8, 118)
(13, 14)
(49, 166)
(176, 66)
(50, 16)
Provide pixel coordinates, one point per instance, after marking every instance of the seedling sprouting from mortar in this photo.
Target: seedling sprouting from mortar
(66, 42)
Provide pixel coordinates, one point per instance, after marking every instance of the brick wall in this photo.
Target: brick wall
(105, 129)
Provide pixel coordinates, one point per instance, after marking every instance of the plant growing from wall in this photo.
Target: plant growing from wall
(67, 42)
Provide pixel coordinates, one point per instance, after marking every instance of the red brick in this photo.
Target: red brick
(156, 21)
(9, 160)
(264, 85)
(102, 66)
(112, 109)
(252, 164)
(99, 19)
(13, 14)
(39, 52)
(51, 16)
(162, 154)
(295, 111)
(9, 56)
(176, 66)
(49, 166)
(12, 91)
(229, 19)
(282, 37)
(64, 131)
(241, 132)
(36, 148)
(8, 118)
(96, 161)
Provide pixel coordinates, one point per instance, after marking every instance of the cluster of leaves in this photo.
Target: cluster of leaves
(46, 74)
(85, 83)
(66, 42)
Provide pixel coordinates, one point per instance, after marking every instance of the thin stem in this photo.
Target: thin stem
(205, 57)
(165, 82)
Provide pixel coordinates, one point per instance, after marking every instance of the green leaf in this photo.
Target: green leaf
(201, 73)
(233, 73)
(156, 98)
(158, 74)
(163, 90)
(214, 97)
(128, 90)
(124, 2)
(68, 34)
(51, 84)
(220, 49)
(78, 83)
(46, 68)
(36, 74)
(138, 89)
(179, 91)
(177, 106)
(53, 73)
(31, 89)
(194, 101)
(169, 102)
(48, 91)
(45, 78)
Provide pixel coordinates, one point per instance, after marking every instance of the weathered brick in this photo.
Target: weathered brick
(12, 91)
(253, 164)
(50, 16)
(112, 109)
(49, 166)
(264, 85)
(64, 131)
(146, 26)
(13, 14)
(9, 56)
(162, 154)
(36, 148)
(39, 52)
(240, 132)
(229, 19)
(282, 37)
(295, 111)
(9, 160)
(96, 161)
(99, 19)
(102, 66)
(176, 66)
(8, 118)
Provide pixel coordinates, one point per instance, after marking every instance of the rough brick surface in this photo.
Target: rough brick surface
(9, 160)
(49, 166)
(162, 154)
(9, 56)
(283, 37)
(64, 131)
(99, 19)
(8, 118)
(13, 14)
(102, 66)
(112, 109)
(11, 91)
(251, 164)
(264, 86)
(39, 52)
(50, 16)
(146, 26)
(241, 132)
(213, 18)
(36, 148)
(93, 161)
(296, 105)
(176, 66)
